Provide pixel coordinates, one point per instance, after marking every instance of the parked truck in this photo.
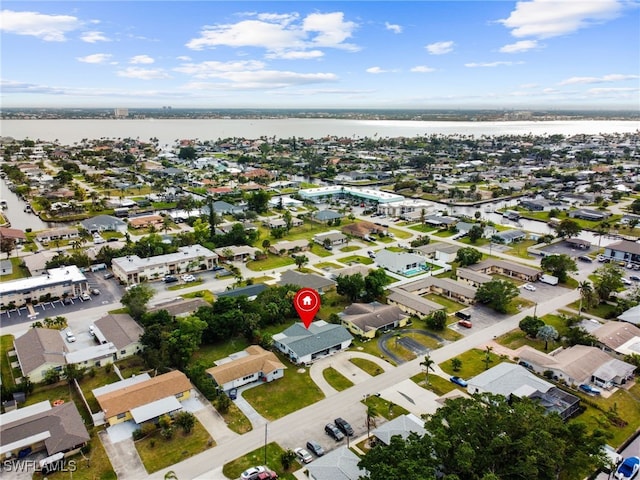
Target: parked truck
(549, 279)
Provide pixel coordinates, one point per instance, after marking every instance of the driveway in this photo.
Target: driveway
(251, 413)
(409, 343)
(124, 457)
(412, 397)
(209, 417)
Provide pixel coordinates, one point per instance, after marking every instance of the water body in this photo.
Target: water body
(167, 131)
(15, 211)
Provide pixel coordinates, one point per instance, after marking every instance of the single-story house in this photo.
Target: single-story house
(180, 306)
(366, 319)
(578, 243)
(236, 253)
(624, 250)
(121, 330)
(310, 280)
(326, 215)
(289, 246)
(40, 350)
(146, 221)
(440, 220)
(508, 237)
(40, 427)
(333, 238)
(53, 234)
(494, 266)
(401, 263)
(142, 398)
(222, 208)
(442, 286)
(402, 426)
(250, 291)
(253, 364)
(618, 338)
(13, 233)
(412, 304)
(338, 464)
(588, 214)
(303, 346)
(104, 223)
(363, 270)
(279, 222)
(362, 229)
(473, 278)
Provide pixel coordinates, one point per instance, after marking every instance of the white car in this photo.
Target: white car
(529, 287)
(70, 336)
(626, 281)
(85, 296)
(252, 473)
(303, 455)
(188, 278)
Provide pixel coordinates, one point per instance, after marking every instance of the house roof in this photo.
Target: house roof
(631, 316)
(310, 280)
(339, 464)
(371, 316)
(61, 427)
(510, 234)
(319, 336)
(615, 334)
(324, 215)
(505, 265)
(38, 347)
(360, 229)
(290, 244)
(413, 302)
(119, 329)
(104, 221)
(398, 260)
(445, 284)
(130, 396)
(12, 233)
(352, 270)
(143, 220)
(507, 378)
(332, 236)
(257, 360)
(402, 425)
(180, 306)
(612, 369)
(479, 277)
(249, 291)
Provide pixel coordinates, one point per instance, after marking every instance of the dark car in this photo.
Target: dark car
(458, 381)
(233, 393)
(463, 315)
(170, 279)
(315, 448)
(344, 426)
(635, 278)
(331, 430)
(585, 258)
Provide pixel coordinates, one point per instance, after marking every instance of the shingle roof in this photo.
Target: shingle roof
(402, 425)
(320, 336)
(324, 215)
(131, 396)
(104, 221)
(258, 360)
(249, 291)
(182, 306)
(505, 265)
(445, 284)
(119, 329)
(339, 464)
(413, 302)
(310, 280)
(613, 334)
(505, 378)
(39, 346)
(371, 316)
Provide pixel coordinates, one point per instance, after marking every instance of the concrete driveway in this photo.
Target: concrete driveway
(124, 458)
(412, 397)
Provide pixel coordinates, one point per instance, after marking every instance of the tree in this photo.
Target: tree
(72, 372)
(456, 364)
(608, 280)
(7, 245)
(427, 363)
(468, 256)
(136, 299)
(287, 458)
(587, 295)
(437, 320)
(186, 421)
(497, 294)
(559, 265)
(187, 153)
(258, 201)
(488, 437)
(372, 413)
(568, 228)
(635, 206)
(374, 284)
(530, 325)
(301, 260)
(351, 286)
(547, 333)
(475, 233)
(487, 357)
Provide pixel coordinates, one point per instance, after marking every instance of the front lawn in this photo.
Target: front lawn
(328, 265)
(451, 305)
(274, 452)
(472, 363)
(437, 384)
(370, 347)
(367, 365)
(397, 233)
(517, 338)
(385, 408)
(423, 228)
(520, 249)
(355, 259)
(331, 302)
(272, 261)
(602, 310)
(281, 397)
(100, 378)
(16, 271)
(157, 453)
(208, 354)
(236, 420)
(336, 379)
(6, 345)
(349, 248)
(206, 295)
(181, 286)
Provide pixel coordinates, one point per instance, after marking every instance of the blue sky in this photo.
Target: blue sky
(417, 54)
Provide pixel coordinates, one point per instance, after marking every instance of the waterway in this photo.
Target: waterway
(15, 211)
(167, 131)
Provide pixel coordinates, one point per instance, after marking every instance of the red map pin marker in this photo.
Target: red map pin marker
(307, 303)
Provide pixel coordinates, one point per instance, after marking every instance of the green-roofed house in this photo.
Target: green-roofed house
(303, 346)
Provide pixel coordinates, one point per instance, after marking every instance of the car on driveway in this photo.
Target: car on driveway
(458, 381)
(528, 286)
(233, 393)
(70, 336)
(331, 430)
(628, 469)
(344, 426)
(315, 448)
(589, 389)
(253, 472)
(303, 455)
(268, 475)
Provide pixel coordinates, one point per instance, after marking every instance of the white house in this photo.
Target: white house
(253, 364)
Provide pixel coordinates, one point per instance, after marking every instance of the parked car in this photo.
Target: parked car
(233, 393)
(626, 281)
(95, 291)
(188, 278)
(129, 287)
(253, 472)
(331, 430)
(170, 279)
(70, 336)
(528, 286)
(268, 475)
(463, 315)
(628, 469)
(92, 330)
(67, 301)
(315, 448)
(465, 323)
(303, 455)
(85, 296)
(635, 278)
(458, 381)
(371, 254)
(589, 389)
(108, 275)
(585, 258)
(344, 426)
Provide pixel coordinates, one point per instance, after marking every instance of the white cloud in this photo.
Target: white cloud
(142, 73)
(529, 85)
(422, 69)
(551, 18)
(141, 59)
(550, 91)
(93, 37)
(605, 91)
(376, 70)
(213, 69)
(50, 28)
(521, 46)
(95, 58)
(491, 64)
(440, 48)
(279, 33)
(184, 58)
(395, 28)
(295, 55)
(261, 79)
(614, 77)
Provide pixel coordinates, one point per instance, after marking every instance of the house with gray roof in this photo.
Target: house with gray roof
(40, 350)
(473, 278)
(250, 291)
(367, 319)
(624, 250)
(180, 306)
(332, 237)
(303, 346)
(223, 208)
(507, 237)
(401, 426)
(459, 291)
(412, 304)
(121, 330)
(339, 464)
(104, 223)
(618, 338)
(493, 266)
(310, 280)
(400, 262)
(289, 246)
(326, 215)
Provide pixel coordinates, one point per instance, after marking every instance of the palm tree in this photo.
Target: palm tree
(301, 260)
(585, 290)
(372, 413)
(487, 357)
(428, 365)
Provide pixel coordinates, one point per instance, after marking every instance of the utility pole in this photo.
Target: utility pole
(265, 444)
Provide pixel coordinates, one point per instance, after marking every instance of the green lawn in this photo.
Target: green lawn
(451, 305)
(157, 453)
(349, 248)
(206, 295)
(236, 420)
(272, 261)
(397, 233)
(517, 338)
(88, 383)
(331, 302)
(17, 271)
(132, 365)
(602, 310)
(423, 228)
(274, 451)
(395, 249)
(367, 365)
(336, 379)
(6, 345)
(437, 384)
(182, 286)
(472, 363)
(319, 250)
(385, 408)
(281, 397)
(356, 259)
(208, 354)
(323, 265)
(370, 347)
(520, 249)
(444, 233)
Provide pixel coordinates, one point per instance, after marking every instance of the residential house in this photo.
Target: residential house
(618, 338)
(13, 233)
(367, 319)
(401, 426)
(40, 350)
(325, 216)
(180, 307)
(439, 251)
(412, 304)
(57, 431)
(494, 266)
(303, 346)
(310, 280)
(441, 221)
(253, 364)
(250, 291)
(471, 277)
(458, 291)
(289, 246)
(631, 315)
(223, 208)
(579, 364)
(578, 243)
(333, 238)
(588, 214)
(279, 222)
(338, 464)
(121, 331)
(407, 209)
(507, 237)
(143, 399)
(236, 253)
(104, 223)
(63, 233)
(362, 229)
(510, 380)
(624, 250)
(402, 263)
(133, 269)
(363, 270)
(146, 221)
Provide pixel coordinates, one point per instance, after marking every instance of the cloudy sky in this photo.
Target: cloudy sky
(334, 54)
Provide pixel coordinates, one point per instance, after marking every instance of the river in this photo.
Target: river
(15, 211)
(167, 131)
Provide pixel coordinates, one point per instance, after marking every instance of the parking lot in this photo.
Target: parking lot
(567, 249)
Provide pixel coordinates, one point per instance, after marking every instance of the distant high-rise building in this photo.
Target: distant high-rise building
(121, 112)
